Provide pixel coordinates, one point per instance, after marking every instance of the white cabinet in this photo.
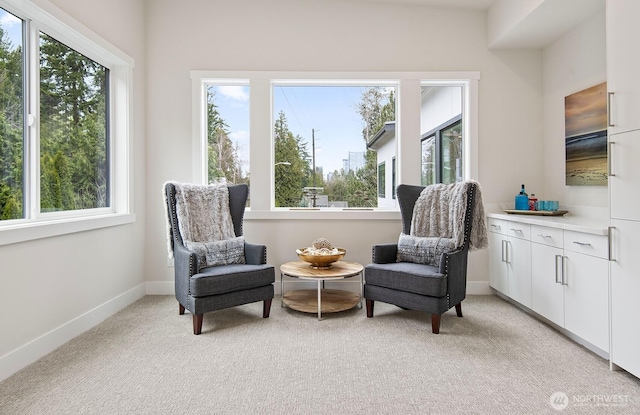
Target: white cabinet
(547, 290)
(623, 181)
(498, 271)
(623, 65)
(570, 282)
(586, 287)
(625, 290)
(561, 274)
(510, 259)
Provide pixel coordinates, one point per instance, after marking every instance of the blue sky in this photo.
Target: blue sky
(329, 110)
(12, 27)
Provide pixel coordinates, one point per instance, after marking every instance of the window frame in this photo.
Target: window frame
(261, 157)
(382, 179)
(55, 23)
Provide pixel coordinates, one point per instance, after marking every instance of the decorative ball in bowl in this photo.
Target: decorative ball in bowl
(321, 258)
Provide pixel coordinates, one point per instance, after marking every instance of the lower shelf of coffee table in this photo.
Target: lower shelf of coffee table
(332, 301)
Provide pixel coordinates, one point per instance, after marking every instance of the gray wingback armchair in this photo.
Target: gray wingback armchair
(221, 286)
(414, 286)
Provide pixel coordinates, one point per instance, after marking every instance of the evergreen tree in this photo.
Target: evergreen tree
(290, 178)
(72, 128)
(223, 159)
(11, 129)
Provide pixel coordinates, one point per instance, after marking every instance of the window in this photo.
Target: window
(74, 115)
(227, 132)
(331, 142)
(381, 180)
(442, 154)
(393, 178)
(74, 109)
(441, 134)
(325, 143)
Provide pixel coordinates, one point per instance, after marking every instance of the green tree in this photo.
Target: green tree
(73, 128)
(11, 128)
(292, 170)
(360, 188)
(223, 159)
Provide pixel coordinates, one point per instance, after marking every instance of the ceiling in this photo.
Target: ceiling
(531, 24)
(466, 4)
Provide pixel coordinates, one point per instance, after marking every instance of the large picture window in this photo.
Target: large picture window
(76, 162)
(323, 137)
(334, 142)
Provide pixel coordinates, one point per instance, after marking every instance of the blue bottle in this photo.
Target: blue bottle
(522, 200)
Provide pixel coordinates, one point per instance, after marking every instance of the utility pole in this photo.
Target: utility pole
(313, 155)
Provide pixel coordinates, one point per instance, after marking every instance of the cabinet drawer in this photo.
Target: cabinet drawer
(585, 243)
(497, 226)
(547, 236)
(519, 230)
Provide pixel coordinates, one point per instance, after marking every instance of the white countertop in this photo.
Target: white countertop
(568, 222)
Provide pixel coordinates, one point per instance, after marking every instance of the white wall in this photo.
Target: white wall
(56, 287)
(329, 35)
(572, 63)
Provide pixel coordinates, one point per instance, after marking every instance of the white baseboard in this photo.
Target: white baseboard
(168, 288)
(479, 288)
(45, 344)
(160, 288)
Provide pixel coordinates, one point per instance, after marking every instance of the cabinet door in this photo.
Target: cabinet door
(625, 291)
(586, 298)
(623, 65)
(497, 263)
(623, 182)
(547, 298)
(519, 264)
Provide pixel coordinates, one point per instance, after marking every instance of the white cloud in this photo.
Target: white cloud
(237, 93)
(8, 20)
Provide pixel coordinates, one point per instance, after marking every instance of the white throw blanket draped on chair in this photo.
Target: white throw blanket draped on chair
(440, 212)
(204, 220)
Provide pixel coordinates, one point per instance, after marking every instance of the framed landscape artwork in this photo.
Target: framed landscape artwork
(585, 125)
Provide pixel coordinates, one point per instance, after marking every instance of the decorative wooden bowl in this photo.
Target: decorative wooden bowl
(321, 261)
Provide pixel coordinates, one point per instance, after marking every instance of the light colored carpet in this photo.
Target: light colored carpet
(145, 360)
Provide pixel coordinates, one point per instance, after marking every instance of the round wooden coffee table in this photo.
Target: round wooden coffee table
(321, 300)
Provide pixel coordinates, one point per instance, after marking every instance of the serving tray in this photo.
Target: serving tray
(537, 212)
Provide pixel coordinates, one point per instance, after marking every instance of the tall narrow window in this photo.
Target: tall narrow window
(382, 179)
(227, 133)
(11, 117)
(441, 127)
(74, 143)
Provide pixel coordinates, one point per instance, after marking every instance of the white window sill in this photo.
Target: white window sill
(322, 214)
(27, 231)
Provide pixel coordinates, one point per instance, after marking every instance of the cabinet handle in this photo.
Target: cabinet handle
(496, 226)
(609, 159)
(564, 269)
(609, 95)
(582, 243)
(558, 257)
(610, 242)
(544, 236)
(516, 230)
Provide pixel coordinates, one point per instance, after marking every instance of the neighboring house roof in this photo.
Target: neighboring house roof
(386, 133)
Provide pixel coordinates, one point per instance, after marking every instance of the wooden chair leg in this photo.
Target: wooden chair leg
(459, 309)
(266, 308)
(181, 309)
(369, 308)
(435, 323)
(197, 323)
